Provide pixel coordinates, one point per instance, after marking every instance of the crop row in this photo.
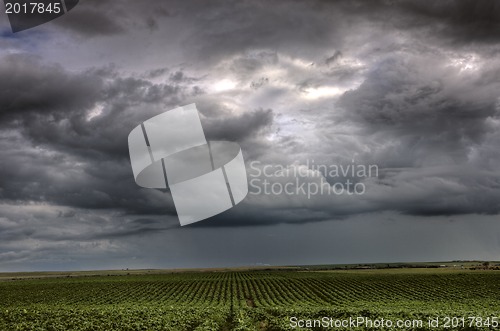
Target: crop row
(239, 300)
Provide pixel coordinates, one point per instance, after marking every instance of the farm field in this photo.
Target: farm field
(253, 300)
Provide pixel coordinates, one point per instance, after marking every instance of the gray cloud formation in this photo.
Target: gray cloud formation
(409, 87)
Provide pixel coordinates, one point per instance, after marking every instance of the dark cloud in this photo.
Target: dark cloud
(429, 117)
(47, 90)
(88, 112)
(337, 55)
(103, 23)
(51, 107)
(461, 21)
(242, 26)
(238, 127)
(40, 175)
(110, 19)
(438, 191)
(60, 155)
(84, 117)
(411, 87)
(435, 104)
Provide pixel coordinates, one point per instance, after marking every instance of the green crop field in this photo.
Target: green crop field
(253, 300)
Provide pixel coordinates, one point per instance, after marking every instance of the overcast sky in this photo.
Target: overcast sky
(411, 87)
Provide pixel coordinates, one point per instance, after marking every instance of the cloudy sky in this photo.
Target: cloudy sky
(410, 87)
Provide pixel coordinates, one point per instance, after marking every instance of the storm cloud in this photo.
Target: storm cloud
(408, 87)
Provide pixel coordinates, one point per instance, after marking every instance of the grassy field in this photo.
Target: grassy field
(252, 300)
